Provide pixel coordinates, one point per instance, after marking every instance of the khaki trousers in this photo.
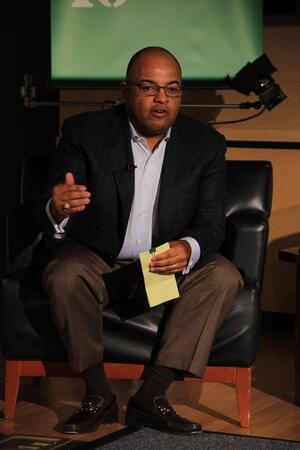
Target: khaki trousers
(77, 295)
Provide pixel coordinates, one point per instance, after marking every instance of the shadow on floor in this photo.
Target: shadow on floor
(274, 366)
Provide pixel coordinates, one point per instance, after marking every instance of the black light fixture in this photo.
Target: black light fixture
(257, 77)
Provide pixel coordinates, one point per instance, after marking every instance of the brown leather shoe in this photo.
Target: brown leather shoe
(162, 417)
(90, 415)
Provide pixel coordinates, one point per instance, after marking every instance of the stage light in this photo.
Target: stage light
(257, 77)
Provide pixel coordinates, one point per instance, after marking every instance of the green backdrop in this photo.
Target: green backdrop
(94, 39)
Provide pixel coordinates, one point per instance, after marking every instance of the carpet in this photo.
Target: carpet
(149, 439)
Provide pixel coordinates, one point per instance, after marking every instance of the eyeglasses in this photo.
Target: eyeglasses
(151, 89)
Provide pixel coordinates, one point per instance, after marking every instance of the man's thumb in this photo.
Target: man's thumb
(70, 178)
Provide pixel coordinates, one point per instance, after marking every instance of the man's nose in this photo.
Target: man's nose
(161, 96)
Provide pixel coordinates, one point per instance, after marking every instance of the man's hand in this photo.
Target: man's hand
(74, 195)
(173, 260)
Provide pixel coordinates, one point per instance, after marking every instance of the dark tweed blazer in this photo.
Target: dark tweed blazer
(96, 147)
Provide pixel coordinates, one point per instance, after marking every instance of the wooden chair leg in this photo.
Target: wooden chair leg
(11, 387)
(13, 372)
(243, 388)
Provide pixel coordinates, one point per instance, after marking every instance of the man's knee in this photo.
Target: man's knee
(75, 273)
(61, 273)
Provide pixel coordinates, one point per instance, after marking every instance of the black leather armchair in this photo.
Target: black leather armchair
(31, 346)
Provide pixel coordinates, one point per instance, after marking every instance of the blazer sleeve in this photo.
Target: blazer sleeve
(68, 157)
(207, 224)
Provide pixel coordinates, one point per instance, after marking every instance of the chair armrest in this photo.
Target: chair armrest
(23, 233)
(246, 243)
(27, 329)
(236, 341)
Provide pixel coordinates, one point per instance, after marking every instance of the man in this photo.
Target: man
(123, 180)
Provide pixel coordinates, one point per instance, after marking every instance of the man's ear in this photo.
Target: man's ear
(124, 88)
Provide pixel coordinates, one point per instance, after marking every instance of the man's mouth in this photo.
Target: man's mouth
(159, 112)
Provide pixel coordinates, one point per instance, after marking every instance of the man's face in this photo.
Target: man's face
(152, 115)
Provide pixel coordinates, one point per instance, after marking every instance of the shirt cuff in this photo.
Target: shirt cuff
(59, 228)
(195, 254)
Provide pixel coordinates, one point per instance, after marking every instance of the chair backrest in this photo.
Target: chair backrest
(34, 173)
(248, 207)
(249, 187)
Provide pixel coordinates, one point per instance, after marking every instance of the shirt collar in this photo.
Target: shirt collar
(135, 137)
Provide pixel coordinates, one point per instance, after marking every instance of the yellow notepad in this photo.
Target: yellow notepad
(160, 288)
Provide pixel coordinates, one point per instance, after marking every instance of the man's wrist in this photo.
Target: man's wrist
(55, 213)
(195, 253)
(58, 223)
(188, 248)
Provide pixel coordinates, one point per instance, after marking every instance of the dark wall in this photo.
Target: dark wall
(25, 130)
(281, 7)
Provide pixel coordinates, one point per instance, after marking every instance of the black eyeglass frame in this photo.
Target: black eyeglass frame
(157, 88)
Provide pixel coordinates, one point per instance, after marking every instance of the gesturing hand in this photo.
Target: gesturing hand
(68, 198)
(173, 260)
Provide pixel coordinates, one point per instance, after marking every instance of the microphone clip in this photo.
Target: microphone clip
(130, 167)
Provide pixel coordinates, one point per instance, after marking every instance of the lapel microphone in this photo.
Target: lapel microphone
(130, 167)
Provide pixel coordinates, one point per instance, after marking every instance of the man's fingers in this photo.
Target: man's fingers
(74, 195)
(172, 260)
(168, 262)
(171, 252)
(68, 197)
(61, 188)
(69, 178)
(165, 257)
(78, 209)
(170, 268)
(77, 202)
